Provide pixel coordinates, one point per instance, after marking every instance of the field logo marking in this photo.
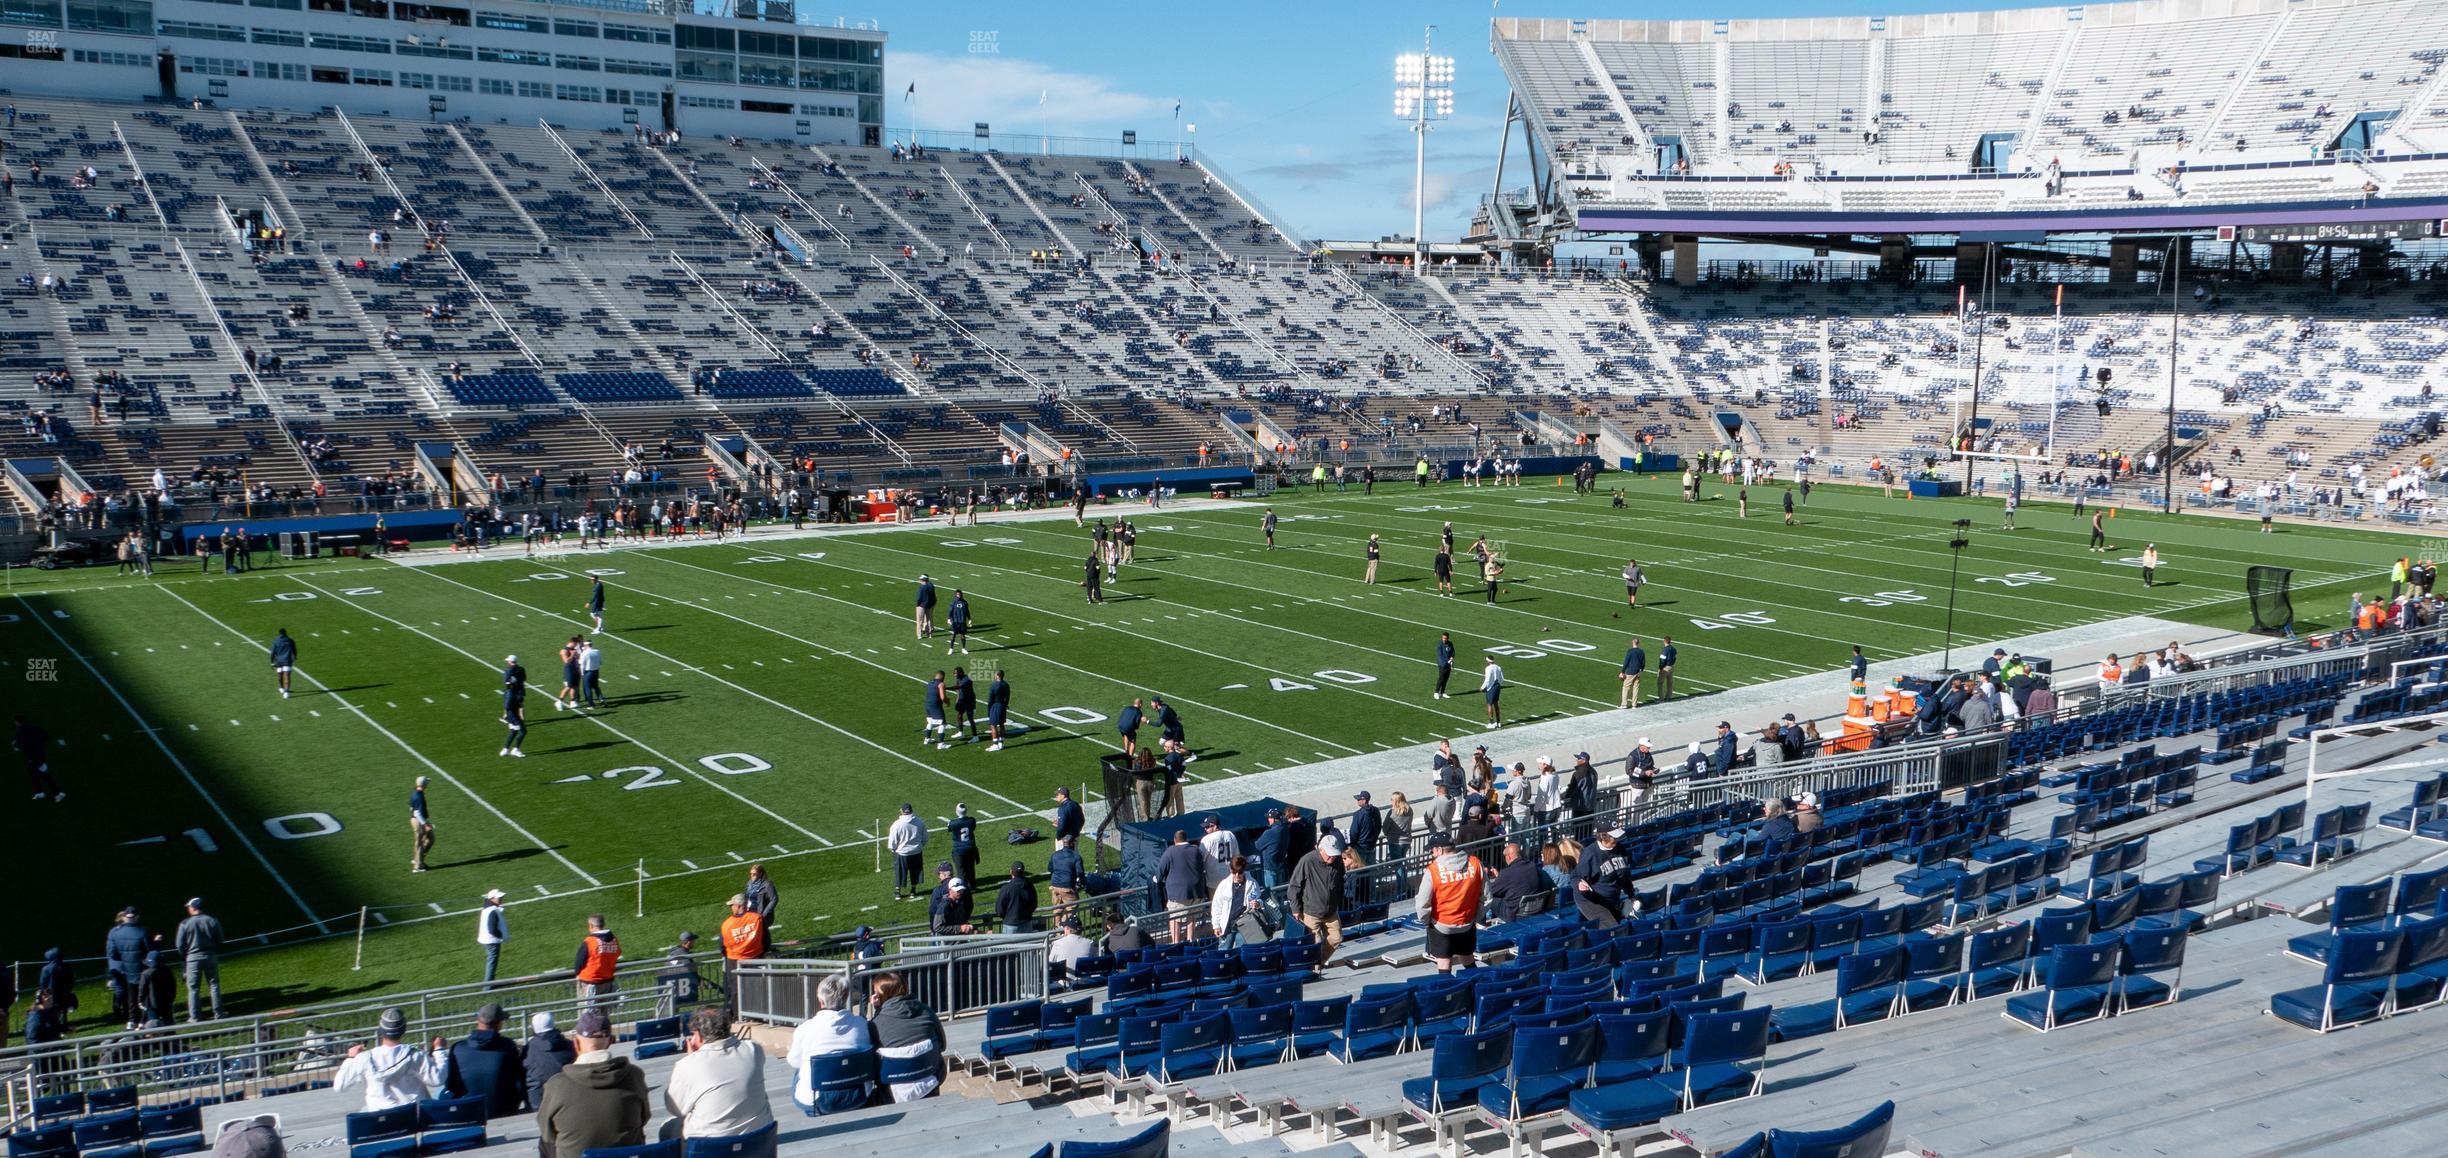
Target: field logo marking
(2016, 579)
(733, 763)
(1066, 714)
(322, 822)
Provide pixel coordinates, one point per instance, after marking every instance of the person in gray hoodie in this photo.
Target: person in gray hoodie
(597, 1101)
(393, 1072)
(903, 1027)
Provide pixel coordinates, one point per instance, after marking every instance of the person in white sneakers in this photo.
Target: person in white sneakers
(284, 657)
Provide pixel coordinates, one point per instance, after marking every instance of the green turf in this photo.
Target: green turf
(799, 653)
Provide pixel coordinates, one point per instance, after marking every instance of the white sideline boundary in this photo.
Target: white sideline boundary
(1607, 735)
(511, 550)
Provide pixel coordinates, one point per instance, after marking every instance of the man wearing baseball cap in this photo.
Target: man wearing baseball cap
(1316, 896)
(199, 946)
(492, 929)
(595, 1102)
(1641, 767)
(484, 1062)
(1367, 828)
(1601, 879)
(743, 939)
(1451, 891)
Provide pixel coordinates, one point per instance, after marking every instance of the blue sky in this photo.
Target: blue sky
(1293, 101)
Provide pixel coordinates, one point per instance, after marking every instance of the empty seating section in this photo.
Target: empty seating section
(347, 328)
(1671, 90)
(1556, 87)
(550, 187)
(1573, 334)
(1332, 330)
(1227, 220)
(2173, 78)
(646, 184)
(2327, 65)
(1940, 93)
(1801, 97)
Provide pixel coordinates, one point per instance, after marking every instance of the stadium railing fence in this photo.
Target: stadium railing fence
(226, 1059)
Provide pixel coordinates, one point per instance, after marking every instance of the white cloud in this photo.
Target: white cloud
(1004, 91)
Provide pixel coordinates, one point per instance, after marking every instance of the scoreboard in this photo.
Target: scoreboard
(2333, 231)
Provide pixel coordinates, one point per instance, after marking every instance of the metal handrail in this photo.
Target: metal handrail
(239, 1056)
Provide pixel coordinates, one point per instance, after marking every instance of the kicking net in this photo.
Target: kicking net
(2266, 588)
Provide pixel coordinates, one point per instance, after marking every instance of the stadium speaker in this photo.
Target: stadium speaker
(2431, 424)
(2265, 588)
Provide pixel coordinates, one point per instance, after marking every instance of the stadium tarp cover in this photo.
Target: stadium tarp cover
(1143, 841)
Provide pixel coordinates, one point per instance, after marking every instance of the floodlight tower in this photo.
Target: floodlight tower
(1423, 92)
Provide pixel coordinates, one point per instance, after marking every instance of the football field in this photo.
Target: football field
(765, 693)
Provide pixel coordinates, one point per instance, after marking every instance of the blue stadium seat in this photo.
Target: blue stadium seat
(110, 1101)
(2149, 953)
(1548, 1066)
(840, 1082)
(1458, 1065)
(758, 1143)
(2079, 984)
(668, 1149)
(1720, 1060)
(1377, 1028)
(659, 1037)
(2357, 985)
(1865, 1137)
(1317, 1026)
(1868, 987)
(1152, 1142)
(447, 1125)
(54, 1141)
(382, 1133)
(117, 1135)
(169, 1130)
(1194, 1048)
(1632, 1045)
(1261, 1035)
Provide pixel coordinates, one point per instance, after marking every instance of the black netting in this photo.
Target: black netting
(2266, 588)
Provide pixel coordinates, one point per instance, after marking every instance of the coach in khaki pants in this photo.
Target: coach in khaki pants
(1316, 894)
(420, 828)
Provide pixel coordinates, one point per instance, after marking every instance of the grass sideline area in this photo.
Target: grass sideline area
(765, 694)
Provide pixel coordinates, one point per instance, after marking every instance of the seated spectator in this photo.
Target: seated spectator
(484, 1062)
(547, 1051)
(1125, 938)
(833, 1030)
(1807, 817)
(1070, 948)
(905, 1028)
(718, 1089)
(1780, 831)
(1518, 881)
(598, 1100)
(392, 1072)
